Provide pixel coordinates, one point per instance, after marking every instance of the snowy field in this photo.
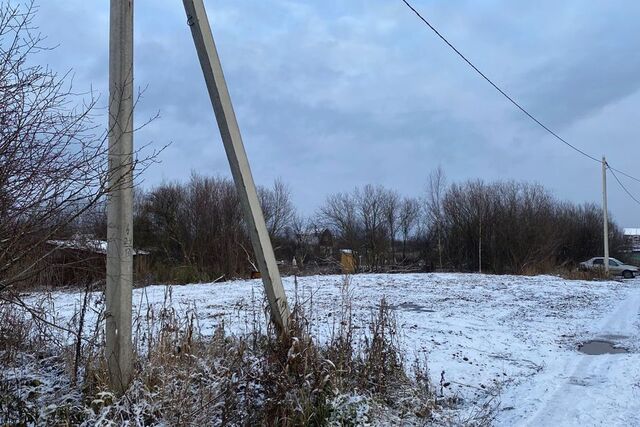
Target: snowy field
(511, 335)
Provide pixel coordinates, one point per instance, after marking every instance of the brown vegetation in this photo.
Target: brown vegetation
(185, 378)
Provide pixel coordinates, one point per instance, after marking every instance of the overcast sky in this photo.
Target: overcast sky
(333, 94)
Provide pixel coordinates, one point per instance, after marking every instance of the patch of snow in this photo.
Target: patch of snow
(479, 333)
(89, 245)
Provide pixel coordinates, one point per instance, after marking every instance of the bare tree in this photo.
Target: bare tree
(302, 233)
(391, 214)
(408, 220)
(277, 207)
(371, 204)
(339, 214)
(165, 208)
(48, 151)
(52, 155)
(436, 188)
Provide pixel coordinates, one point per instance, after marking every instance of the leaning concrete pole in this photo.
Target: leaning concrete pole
(232, 140)
(120, 197)
(605, 215)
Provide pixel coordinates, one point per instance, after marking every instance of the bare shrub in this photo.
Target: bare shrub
(15, 333)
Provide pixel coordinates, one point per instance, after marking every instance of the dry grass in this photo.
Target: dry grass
(566, 272)
(186, 378)
(15, 333)
(576, 274)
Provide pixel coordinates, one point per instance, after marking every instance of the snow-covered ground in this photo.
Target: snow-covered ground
(481, 333)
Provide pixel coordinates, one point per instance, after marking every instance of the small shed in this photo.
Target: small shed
(347, 261)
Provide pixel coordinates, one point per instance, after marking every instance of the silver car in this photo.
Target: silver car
(615, 267)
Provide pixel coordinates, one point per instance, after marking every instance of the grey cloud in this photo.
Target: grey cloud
(334, 94)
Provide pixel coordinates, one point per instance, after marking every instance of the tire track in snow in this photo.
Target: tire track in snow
(596, 390)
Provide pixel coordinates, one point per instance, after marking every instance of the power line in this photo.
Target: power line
(623, 173)
(622, 185)
(513, 101)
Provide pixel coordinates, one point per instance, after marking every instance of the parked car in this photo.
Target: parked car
(615, 267)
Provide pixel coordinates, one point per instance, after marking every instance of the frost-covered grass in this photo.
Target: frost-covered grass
(500, 349)
(184, 377)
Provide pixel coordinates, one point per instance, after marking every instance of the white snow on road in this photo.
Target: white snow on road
(516, 334)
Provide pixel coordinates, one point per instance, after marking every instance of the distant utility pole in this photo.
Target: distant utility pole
(232, 140)
(480, 237)
(605, 215)
(120, 197)
(480, 246)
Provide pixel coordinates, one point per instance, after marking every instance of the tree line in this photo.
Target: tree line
(195, 232)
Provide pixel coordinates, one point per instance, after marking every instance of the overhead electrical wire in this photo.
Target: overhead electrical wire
(624, 173)
(626, 190)
(518, 105)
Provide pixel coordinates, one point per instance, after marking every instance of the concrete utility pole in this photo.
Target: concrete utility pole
(232, 140)
(480, 246)
(120, 196)
(479, 236)
(605, 215)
